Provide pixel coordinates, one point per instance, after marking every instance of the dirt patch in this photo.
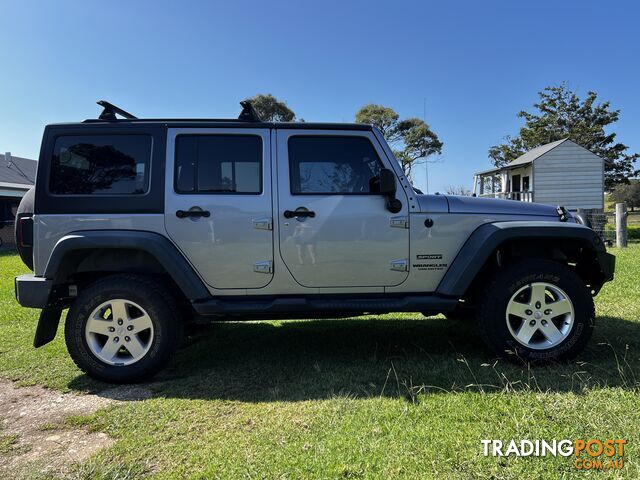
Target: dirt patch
(33, 434)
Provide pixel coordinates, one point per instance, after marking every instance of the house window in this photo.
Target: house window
(525, 184)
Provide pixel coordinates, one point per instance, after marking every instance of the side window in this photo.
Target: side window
(218, 164)
(333, 165)
(100, 165)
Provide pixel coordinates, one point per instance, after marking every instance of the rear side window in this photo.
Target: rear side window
(218, 164)
(338, 165)
(101, 165)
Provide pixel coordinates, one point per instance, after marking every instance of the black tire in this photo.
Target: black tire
(493, 302)
(151, 295)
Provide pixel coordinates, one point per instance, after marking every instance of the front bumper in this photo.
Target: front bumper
(32, 291)
(607, 264)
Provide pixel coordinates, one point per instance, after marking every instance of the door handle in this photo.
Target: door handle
(193, 213)
(299, 213)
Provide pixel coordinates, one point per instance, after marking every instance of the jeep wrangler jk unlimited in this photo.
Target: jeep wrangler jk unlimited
(138, 226)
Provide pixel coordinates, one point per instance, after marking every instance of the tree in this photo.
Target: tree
(562, 114)
(458, 190)
(271, 109)
(628, 193)
(411, 140)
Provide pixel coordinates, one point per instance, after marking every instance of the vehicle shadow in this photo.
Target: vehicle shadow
(370, 357)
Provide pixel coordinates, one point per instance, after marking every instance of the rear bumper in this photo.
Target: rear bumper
(32, 291)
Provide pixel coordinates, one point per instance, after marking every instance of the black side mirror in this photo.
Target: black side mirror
(387, 183)
(388, 188)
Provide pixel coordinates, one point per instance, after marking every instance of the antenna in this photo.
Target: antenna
(110, 111)
(248, 113)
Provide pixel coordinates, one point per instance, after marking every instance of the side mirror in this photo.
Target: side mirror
(388, 189)
(387, 183)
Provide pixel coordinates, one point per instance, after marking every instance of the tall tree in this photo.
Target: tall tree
(630, 194)
(271, 109)
(562, 114)
(411, 140)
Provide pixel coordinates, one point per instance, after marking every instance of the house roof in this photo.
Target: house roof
(20, 171)
(526, 158)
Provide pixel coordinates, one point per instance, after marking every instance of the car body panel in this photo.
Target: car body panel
(350, 242)
(233, 248)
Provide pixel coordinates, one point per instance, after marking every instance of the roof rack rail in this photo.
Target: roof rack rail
(110, 111)
(248, 113)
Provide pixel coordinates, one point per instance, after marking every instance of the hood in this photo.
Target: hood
(497, 206)
(460, 204)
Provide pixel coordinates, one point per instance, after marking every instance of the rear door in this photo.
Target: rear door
(334, 228)
(218, 207)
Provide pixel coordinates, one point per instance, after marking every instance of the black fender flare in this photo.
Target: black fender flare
(156, 245)
(488, 237)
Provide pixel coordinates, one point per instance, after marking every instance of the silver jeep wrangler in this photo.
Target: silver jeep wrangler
(139, 226)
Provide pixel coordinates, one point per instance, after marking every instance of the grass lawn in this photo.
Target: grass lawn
(389, 396)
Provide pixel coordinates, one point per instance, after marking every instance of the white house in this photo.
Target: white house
(558, 173)
(17, 175)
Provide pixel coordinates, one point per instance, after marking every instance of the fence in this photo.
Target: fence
(611, 226)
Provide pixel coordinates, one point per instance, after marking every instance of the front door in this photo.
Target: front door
(218, 203)
(334, 228)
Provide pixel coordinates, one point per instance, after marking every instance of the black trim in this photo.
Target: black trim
(32, 291)
(47, 326)
(486, 238)
(153, 243)
(324, 305)
(151, 202)
(218, 123)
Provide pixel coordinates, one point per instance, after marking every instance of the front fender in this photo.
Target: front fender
(488, 237)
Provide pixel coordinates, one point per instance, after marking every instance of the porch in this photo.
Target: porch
(506, 183)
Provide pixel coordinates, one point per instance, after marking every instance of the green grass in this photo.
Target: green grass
(389, 396)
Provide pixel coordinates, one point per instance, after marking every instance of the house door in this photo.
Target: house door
(515, 187)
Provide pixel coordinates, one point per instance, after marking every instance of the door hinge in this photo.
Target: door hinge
(263, 223)
(401, 221)
(400, 265)
(263, 267)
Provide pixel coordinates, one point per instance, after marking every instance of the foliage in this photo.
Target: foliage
(628, 193)
(458, 190)
(271, 109)
(562, 114)
(411, 140)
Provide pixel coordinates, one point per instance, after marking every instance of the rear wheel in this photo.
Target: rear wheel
(537, 309)
(123, 328)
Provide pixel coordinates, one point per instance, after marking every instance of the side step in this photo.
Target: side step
(318, 306)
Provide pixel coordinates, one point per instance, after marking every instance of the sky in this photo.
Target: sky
(467, 67)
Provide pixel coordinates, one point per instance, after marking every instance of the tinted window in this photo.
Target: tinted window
(218, 164)
(101, 164)
(333, 165)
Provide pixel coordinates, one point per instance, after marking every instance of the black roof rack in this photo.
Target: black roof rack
(110, 111)
(248, 113)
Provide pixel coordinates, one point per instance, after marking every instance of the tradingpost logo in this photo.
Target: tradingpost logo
(591, 454)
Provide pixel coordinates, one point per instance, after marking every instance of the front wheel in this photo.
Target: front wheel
(538, 310)
(123, 328)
